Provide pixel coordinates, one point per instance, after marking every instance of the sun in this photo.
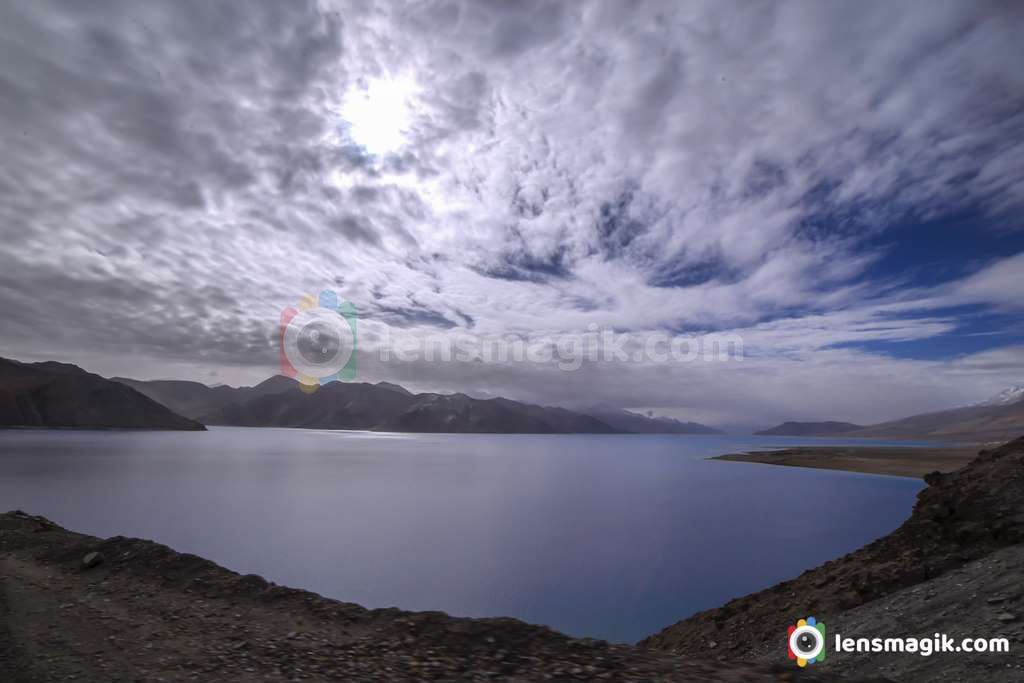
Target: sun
(379, 115)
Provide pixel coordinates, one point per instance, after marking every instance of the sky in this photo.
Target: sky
(840, 185)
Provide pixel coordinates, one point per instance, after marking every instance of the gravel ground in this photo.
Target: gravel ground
(982, 599)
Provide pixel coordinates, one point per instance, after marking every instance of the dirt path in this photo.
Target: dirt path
(147, 613)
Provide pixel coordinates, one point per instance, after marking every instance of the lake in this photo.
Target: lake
(611, 537)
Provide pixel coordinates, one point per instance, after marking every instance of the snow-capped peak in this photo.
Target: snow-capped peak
(1006, 396)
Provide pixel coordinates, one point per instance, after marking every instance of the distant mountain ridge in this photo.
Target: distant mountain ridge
(51, 394)
(810, 429)
(628, 421)
(278, 402)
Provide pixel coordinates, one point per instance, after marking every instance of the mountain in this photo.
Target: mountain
(997, 419)
(809, 429)
(460, 413)
(278, 402)
(196, 400)
(54, 394)
(626, 421)
(187, 398)
(987, 422)
(1005, 397)
(393, 387)
(982, 423)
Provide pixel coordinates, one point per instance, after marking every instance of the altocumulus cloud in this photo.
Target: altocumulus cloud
(174, 174)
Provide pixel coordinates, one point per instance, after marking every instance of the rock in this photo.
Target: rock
(1006, 617)
(91, 560)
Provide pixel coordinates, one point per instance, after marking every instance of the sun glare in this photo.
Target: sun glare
(379, 115)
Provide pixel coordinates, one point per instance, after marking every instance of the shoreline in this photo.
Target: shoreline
(896, 461)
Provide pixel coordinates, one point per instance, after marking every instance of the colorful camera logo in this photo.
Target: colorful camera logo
(318, 341)
(807, 641)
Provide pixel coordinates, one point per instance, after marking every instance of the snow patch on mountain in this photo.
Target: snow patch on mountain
(1005, 397)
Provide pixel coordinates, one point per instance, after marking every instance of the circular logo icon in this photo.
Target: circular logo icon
(318, 342)
(806, 642)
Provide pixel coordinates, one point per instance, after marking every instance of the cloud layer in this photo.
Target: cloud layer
(176, 174)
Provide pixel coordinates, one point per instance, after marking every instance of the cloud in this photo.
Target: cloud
(998, 284)
(177, 174)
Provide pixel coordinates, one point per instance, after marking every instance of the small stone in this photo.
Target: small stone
(1007, 617)
(91, 560)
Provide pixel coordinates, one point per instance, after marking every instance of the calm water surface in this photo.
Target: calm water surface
(606, 536)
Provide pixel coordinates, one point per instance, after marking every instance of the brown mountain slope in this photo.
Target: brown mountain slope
(60, 395)
(980, 424)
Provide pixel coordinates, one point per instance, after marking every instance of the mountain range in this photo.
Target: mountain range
(278, 402)
(52, 394)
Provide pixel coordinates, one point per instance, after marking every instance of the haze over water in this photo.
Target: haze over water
(612, 537)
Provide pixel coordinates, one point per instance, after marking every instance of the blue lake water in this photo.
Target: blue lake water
(612, 537)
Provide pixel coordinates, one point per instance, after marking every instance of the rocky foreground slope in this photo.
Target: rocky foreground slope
(958, 555)
(138, 611)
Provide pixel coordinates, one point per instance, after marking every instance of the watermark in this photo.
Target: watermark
(318, 344)
(318, 341)
(569, 351)
(806, 644)
(926, 647)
